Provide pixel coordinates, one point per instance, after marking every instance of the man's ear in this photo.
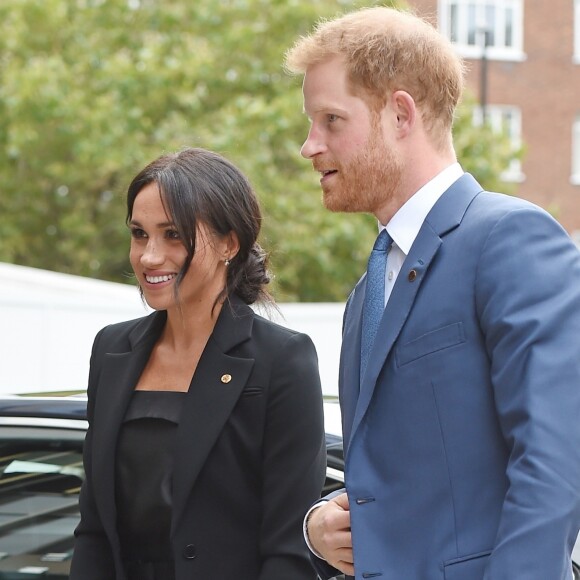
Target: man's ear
(403, 105)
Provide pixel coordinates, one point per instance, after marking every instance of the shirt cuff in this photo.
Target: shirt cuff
(305, 528)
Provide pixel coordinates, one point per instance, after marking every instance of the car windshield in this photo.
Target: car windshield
(40, 477)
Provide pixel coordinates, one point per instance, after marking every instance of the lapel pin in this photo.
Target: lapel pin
(226, 378)
(412, 275)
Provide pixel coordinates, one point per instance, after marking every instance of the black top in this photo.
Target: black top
(144, 467)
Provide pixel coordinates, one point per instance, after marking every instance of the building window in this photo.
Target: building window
(507, 119)
(495, 26)
(575, 178)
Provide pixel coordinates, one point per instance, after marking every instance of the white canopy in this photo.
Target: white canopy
(49, 321)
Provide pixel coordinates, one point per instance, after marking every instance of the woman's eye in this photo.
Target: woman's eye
(173, 235)
(332, 118)
(138, 233)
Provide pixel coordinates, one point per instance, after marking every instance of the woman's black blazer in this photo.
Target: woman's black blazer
(249, 454)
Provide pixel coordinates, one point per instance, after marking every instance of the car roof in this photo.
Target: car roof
(34, 409)
(68, 407)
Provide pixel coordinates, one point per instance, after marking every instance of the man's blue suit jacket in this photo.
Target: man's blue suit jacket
(463, 442)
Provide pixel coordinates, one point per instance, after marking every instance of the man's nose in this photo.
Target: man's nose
(313, 145)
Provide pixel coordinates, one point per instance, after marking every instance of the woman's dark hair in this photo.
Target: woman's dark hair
(196, 186)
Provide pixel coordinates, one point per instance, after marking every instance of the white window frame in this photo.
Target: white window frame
(454, 21)
(508, 118)
(575, 176)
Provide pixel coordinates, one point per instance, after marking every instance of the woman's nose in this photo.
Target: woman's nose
(153, 255)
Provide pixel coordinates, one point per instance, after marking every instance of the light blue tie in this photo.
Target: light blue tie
(374, 302)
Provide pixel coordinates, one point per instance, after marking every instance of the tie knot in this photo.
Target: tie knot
(383, 241)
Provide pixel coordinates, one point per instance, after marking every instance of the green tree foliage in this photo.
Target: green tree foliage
(91, 90)
(482, 150)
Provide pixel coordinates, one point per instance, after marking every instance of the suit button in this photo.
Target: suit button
(189, 551)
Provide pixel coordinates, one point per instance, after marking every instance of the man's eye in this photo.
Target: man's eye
(332, 118)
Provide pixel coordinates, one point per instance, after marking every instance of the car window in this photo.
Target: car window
(40, 478)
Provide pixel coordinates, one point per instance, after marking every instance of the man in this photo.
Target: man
(462, 431)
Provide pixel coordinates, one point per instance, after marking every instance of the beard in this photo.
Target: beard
(366, 182)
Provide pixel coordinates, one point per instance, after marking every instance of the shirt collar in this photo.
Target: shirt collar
(406, 223)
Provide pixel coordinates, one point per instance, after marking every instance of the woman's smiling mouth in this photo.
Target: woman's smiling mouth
(159, 279)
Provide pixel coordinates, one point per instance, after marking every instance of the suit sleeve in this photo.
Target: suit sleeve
(92, 557)
(528, 301)
(323, 568)
(294, 459)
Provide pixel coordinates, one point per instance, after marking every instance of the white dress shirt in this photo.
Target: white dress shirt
(406, 223)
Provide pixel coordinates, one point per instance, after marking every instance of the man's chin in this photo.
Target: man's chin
(338, 205)
(332, 204)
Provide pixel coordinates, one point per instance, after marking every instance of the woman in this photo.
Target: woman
(205, 445)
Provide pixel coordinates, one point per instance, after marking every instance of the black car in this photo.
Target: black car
(41, 472)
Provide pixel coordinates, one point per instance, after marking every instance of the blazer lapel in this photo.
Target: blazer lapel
(445, 216)
(215, 388)
(117, 381)
(349, 370)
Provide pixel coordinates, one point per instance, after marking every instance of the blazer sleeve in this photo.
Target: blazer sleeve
(528, 303)
(92, 557)
(294, 459)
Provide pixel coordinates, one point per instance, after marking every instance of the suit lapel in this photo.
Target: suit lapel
(209, 402)
(350, 359)
(214, 391)
(117, 381)
(396, 312)
(445, 216)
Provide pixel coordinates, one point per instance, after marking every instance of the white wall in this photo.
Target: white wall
(48, 321)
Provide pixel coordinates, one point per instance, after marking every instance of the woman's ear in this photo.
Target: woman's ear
(232, 245)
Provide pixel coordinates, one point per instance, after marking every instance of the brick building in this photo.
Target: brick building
(530, 52)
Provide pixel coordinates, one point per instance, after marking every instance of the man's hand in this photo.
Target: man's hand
(328, 529)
